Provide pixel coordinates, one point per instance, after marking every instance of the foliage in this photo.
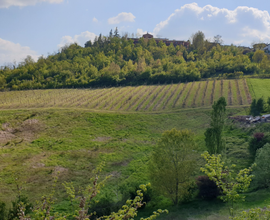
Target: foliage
(114, 60)
(128, 211)
(254, 214)
(258, 140)
(258, 56)
(207, 188)
(213, 135)
(13, 212)
(172, 164)
(268, 103)
(3, 211)
(257, 107)
(262, 169)
(224, 177)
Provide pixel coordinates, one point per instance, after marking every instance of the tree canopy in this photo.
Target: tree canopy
(172, 164)
(114, 60)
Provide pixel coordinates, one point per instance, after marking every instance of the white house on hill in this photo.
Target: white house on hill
(267, 49)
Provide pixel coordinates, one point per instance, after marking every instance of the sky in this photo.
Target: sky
(41, 27)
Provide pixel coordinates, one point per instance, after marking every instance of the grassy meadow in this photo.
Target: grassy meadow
(259, 88)
(38, 143)
(70, 131)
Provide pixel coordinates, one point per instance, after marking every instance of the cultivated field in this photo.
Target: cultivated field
(144, 98)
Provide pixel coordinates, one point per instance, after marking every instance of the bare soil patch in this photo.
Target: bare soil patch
(102, 139)
(25, 131)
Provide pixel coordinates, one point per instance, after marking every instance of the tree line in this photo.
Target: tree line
(114, 60)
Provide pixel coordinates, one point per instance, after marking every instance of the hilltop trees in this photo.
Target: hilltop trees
(213, 135)
(172, 164)
(258, 56)
(198, 41)
(202, 59)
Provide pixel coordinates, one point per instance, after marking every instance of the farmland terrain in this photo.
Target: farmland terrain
(143, 98)
(70, 131)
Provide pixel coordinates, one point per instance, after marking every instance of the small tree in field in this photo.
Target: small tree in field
(172, 164)
(213, 135)
(231, 184)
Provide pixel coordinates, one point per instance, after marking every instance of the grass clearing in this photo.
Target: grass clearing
(259, 88)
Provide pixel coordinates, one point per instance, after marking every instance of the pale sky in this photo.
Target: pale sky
(41, 27)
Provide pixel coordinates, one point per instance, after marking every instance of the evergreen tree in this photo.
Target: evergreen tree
(213, 135)
(111, 34)
(253, 107)
(88, 44)
(256, 107)
(116, 33)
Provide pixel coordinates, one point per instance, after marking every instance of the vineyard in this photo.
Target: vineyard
(144, 98)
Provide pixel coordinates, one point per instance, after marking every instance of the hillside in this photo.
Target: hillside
(36, 144)
(114, 61)
(70, 131)
(152, 98)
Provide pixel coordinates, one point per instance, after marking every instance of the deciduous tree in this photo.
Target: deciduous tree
(172, 164)
(262, 170)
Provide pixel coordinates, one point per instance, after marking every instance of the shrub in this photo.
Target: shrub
(207, 188)
(262, 170)
(258, 141)
(2, 211)
(13, 212)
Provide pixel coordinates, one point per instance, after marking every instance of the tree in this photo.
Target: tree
(218, 39)
(88, 44)
(231, 185)
(172, 164)
(190, 56)
(116, 33)
(262, 169)
(256, 107)
(258, 56)
(198, 41)
(257, 141)
(111, 34)
(213, 135)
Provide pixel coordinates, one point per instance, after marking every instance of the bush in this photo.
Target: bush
(258, 141)
(104, 206)
(13, 212)
(257, 107)
(262, 170)
(2, 211)
(207, 188)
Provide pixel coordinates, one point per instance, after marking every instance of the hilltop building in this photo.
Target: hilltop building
(165, 40)
(267, 49)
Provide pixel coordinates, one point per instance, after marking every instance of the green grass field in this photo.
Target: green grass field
(35, 144)
(144, 98)
(259, 88)
(70, 131)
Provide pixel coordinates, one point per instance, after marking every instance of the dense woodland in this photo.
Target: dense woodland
(115, 60)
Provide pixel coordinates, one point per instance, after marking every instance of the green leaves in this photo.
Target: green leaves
(172, 164)
(213, 135)
(230, 183)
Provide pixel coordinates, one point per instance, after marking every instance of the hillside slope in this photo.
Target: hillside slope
(142, 98)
